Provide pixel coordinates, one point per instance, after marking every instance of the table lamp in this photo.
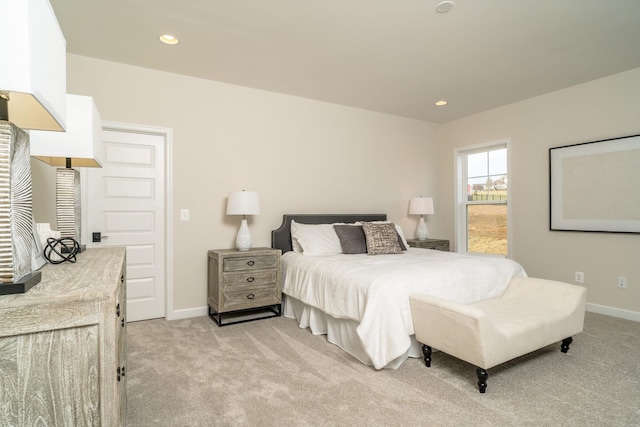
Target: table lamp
(243, 203)
(32, 96)
(79, 146)
(421, 206)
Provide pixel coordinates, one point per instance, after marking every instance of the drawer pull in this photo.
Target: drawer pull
(118, 309)
(251, 263)
(250, 279)
(251, 296)
(122, 278)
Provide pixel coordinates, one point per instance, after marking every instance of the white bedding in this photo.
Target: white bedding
(374, 290)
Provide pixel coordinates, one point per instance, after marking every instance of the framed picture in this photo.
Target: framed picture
(595, 186)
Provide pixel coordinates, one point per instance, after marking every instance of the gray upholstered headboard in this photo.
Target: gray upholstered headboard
(281, 237)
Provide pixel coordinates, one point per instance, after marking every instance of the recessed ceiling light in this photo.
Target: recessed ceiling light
(168, 39)
(444, 6)
(441, 103)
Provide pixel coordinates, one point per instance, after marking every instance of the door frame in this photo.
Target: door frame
(166, 133)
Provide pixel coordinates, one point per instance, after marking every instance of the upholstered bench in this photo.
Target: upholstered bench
(530, 314)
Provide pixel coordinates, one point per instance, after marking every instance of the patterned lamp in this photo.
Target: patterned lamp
(32, 96)
(79, 146)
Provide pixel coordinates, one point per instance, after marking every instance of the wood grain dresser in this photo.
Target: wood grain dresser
(63, 345)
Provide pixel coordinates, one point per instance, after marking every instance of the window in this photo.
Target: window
(482, 213)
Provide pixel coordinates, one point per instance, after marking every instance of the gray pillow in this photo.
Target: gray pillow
(351, 238)
(381, 238)
(400, 242)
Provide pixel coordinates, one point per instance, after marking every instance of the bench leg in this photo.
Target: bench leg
(483, 375)
(564, 347)
(426, 350)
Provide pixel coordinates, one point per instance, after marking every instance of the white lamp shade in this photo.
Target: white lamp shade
(243, 203)
(33, 70)
(81, 142)
(421, 206)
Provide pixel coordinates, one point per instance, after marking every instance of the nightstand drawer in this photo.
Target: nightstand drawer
(250, 263)
(250, 298)
(249, 278)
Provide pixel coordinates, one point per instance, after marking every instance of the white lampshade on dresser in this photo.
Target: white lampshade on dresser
(33, 70)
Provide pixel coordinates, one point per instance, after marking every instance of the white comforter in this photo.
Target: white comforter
(374, 290)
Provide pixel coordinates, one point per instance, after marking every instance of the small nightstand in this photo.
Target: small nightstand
(438, 244)
(244, 286)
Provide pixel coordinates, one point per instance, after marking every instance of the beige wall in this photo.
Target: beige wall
(601, 109)
(306, 156)
(300, 155)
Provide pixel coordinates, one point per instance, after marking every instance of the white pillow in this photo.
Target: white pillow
(294, 239)
(316, 239)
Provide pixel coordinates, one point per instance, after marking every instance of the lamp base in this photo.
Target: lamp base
(422, 232)
(243, 240)
(68, 203)
(21, 286)
(16, 221)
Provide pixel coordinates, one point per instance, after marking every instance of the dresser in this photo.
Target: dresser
(63, 345)
(244, 286)
(438, 244)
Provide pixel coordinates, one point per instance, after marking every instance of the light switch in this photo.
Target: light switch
(184, 214)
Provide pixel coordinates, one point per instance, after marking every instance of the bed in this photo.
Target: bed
(361, 302)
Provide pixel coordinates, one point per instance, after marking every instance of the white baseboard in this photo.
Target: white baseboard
(615, 312)
(188, 312)
(594, 308)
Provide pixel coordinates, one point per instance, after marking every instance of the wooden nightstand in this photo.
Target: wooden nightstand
(244, 286)
(438, 244)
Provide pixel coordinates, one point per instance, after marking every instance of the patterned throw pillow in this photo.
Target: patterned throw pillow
(381, 238)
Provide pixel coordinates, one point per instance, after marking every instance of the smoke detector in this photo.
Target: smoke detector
(444, 6)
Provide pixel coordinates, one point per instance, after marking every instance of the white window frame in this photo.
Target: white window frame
(460, 191)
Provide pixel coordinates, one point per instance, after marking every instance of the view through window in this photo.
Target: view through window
(486, 180)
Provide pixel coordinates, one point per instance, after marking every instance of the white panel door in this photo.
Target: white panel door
(126, 205)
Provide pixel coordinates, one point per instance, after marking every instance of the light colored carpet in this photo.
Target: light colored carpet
(270, 372)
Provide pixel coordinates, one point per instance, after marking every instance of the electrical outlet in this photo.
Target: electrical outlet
(579, 277)
(622, 282)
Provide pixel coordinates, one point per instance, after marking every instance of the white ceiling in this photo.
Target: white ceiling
(392, 56)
